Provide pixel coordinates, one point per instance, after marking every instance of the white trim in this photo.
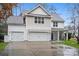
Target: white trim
(58, 35)
(66, 35)
(37, 7)
(35, 15)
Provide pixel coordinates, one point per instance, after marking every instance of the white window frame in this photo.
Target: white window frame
(39, 20)
(55, 24)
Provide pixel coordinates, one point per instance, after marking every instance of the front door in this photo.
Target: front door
(51, 36)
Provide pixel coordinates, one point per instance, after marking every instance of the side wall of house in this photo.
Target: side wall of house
(61, 25)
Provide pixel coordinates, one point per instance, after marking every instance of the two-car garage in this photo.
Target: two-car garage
(19, 36)
(18, 33)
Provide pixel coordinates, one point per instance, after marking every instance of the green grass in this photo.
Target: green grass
(72, 42)
(2, 46)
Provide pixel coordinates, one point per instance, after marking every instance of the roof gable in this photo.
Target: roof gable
(38, 10)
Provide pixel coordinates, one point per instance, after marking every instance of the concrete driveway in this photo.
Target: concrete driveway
(39, 49)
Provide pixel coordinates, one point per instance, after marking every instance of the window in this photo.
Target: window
(55, 24)
(42, 20)
(39, 20)
(35, 19)
(24, 20)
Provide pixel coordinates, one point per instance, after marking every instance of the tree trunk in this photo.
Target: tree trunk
(78, 29)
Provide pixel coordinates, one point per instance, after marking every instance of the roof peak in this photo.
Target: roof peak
(41, 6)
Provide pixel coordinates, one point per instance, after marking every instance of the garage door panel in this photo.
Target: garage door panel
(17, 36)
(39, 36)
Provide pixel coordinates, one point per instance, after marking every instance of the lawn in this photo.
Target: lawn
(72, 42)
(2, 46)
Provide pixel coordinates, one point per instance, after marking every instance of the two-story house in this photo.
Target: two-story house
(35, 25)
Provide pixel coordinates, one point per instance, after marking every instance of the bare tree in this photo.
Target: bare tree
(75, 17)
(52, 9)
(77, 11)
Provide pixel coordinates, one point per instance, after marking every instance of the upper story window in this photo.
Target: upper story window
(43, 20)
(24, 20)
(39, 20)
(55, 24)
(35, 19)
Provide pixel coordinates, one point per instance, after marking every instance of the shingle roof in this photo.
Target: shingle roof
(56, 17)
(15, 20)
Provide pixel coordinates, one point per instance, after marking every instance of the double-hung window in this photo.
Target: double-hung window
(35, 19)
(55, 24)
(39, 20)
(24, 20)
(42, 20)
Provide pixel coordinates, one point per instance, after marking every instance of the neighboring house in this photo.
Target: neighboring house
(35, 25)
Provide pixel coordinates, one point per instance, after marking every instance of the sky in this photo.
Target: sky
(61, 8)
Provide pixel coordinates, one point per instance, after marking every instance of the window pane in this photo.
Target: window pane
(42, 20)
(54, 24)
(24, 20)
(35, 19)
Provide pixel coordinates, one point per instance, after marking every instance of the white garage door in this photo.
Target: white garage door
(17, 36)
(39, 36)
